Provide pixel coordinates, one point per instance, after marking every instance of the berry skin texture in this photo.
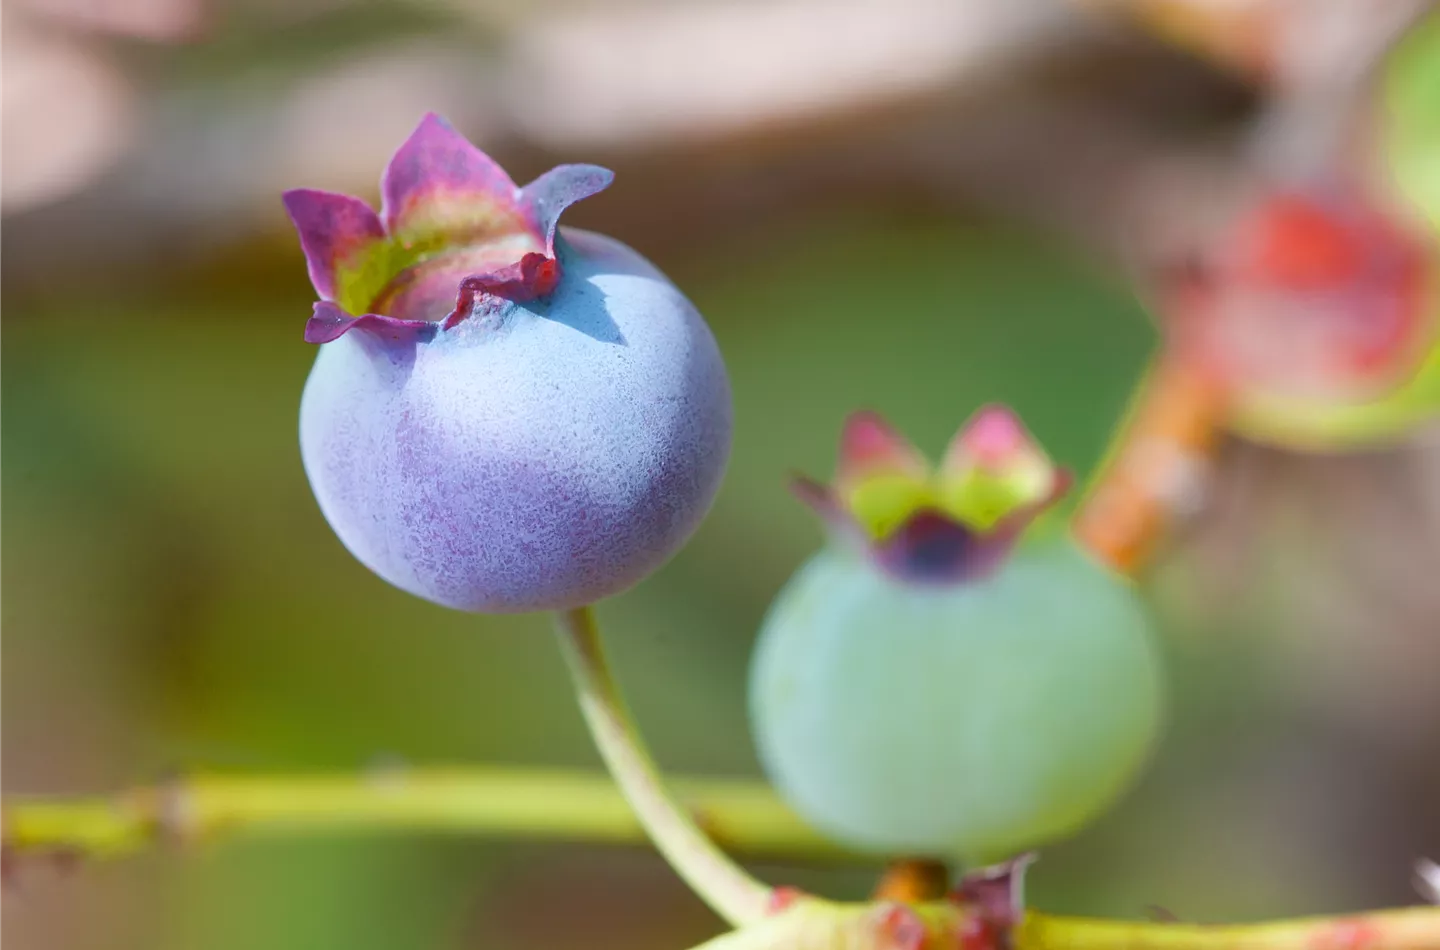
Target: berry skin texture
(503, 416)
(970, 721)
(545, 461)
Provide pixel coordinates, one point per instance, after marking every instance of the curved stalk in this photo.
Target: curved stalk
(729, 890)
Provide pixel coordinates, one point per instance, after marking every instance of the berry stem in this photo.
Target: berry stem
(913, 880)
(729, 890)
(1155, 466)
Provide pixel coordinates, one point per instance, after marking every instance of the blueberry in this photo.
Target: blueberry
(503, 416)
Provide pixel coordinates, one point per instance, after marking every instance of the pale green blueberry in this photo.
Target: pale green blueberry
(970, 720)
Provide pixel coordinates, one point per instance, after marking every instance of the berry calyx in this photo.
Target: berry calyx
(452, 228)
(938, 525)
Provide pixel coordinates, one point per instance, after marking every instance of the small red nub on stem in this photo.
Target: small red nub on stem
(781, 898)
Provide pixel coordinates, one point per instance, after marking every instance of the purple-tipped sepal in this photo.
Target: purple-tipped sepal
(329, 322)
(337, 233)
(533, 276)
(546, 197)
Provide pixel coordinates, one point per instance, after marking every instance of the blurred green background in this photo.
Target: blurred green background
(173, 599)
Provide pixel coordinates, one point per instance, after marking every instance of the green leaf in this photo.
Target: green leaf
(1411, 116)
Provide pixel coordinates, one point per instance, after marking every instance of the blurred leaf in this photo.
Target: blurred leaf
(1411, 102)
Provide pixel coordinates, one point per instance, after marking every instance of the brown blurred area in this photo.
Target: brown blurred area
(914, 205)
(184, 121)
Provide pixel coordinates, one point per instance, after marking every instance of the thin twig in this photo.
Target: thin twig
(540, 804)
(1410, 928)
(820, 925)
(1155, 467)
(743, 817)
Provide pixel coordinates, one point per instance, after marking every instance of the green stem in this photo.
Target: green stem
(548, 804)
(1408, 928)
(724, 885)
(818, 924)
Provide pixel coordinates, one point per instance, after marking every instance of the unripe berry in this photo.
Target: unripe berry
(1318, 312)
(924, 686)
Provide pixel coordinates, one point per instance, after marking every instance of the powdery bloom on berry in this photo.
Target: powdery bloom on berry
(503, 415)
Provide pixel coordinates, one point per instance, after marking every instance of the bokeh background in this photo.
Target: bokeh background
(907, 205)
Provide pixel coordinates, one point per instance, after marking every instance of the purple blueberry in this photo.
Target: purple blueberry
(501, 418)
